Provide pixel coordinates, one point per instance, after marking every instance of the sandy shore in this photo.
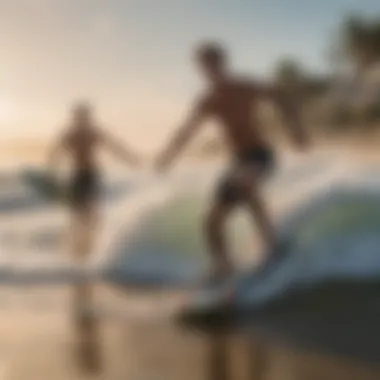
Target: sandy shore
(43, 344)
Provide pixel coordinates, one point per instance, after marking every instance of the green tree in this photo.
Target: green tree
(360, 41)
(288, 72)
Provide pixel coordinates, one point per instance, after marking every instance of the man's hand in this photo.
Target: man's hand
(291, 116)
(182, 136)
(134, 160)
(55, 154)
(161, 165)
(120, 150)
(302, 141)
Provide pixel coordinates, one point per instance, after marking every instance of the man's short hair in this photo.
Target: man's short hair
(211, 52)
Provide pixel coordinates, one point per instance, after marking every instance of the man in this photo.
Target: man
(232, 102)
(81, 142)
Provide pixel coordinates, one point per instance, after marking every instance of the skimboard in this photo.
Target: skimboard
(50, 189)
(44, 185)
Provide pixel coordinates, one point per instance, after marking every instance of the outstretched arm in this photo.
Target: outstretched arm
(290, 113)
(56, 152)
(182, 136)
(120, 150)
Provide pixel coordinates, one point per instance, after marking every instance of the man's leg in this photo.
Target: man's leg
(215, 236)
(81, 236)
(249, 181)
(84, 224)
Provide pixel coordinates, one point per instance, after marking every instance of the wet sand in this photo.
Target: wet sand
(39, 341)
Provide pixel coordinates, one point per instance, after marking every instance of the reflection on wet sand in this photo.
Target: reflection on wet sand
(35, 343)
(233, 358)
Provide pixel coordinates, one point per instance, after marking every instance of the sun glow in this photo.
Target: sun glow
(7, 110)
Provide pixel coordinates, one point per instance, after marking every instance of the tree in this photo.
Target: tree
(288, 72)
(290, 76)
(359, 41)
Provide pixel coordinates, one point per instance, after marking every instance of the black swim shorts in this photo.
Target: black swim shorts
(260, 159)
(84, 187)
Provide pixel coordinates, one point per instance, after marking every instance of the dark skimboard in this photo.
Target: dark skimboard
(51, 190)
(44, 185)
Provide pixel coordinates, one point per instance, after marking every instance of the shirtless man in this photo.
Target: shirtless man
(81, 142)
(232, 101)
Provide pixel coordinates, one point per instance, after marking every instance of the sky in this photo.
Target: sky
(132, 58)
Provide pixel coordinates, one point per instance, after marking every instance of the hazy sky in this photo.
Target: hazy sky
(132, 58)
